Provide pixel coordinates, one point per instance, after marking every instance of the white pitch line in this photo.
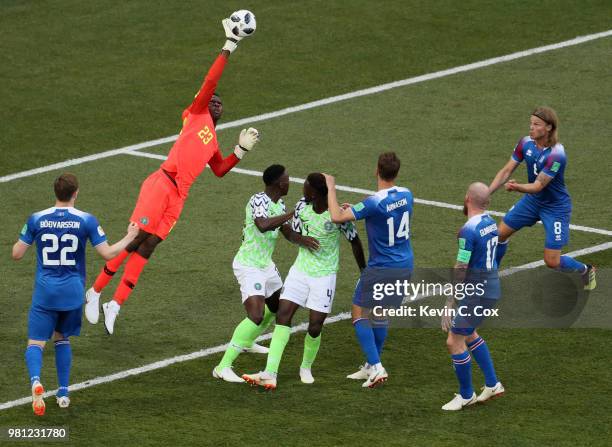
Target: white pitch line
(322, 102)
(368, 192)
(220, 348)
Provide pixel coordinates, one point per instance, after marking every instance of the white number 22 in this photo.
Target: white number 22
(71, 239)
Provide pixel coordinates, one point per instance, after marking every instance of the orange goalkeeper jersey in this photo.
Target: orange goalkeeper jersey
(197, 144)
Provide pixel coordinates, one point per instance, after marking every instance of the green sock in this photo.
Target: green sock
(268, 318)
(280, 337)
(243, 337)
(311, 348)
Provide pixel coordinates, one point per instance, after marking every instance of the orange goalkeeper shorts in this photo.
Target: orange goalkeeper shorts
(159, 205)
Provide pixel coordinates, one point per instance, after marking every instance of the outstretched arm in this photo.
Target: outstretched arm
(264, 224)
(336, 212)
(221, 166)
(503, 175)
(541, 181)
(246, 141)
(108, 252)
(201, 100)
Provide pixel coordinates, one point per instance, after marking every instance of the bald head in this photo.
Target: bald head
(478, 195)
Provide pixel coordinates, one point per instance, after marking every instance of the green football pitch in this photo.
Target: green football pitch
(82, 79)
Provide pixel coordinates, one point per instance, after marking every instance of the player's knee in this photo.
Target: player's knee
(255, 317)
(283, 317)
(315, 328)
(552, 262)
(57, 336)
(453, 345)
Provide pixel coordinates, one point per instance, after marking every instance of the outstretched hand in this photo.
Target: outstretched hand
(510, 185)
(133, 230)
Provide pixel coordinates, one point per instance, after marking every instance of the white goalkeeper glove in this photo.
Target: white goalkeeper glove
(246, 141)
(232, 40)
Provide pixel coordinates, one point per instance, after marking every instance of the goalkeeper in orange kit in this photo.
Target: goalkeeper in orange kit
(164, 192)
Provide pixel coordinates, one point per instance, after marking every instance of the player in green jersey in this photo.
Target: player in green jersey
(311, 281)
(259, 279)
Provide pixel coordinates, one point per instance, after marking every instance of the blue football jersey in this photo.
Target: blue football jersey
(478, 242)
(551, 161)
(61, 236)
(477, 247)
(387, 217)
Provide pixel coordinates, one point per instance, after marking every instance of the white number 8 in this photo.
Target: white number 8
(557, 227)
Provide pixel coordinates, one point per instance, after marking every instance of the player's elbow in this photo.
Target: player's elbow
(337, 218)
(218, 172)
(17, 252)
(107, 253)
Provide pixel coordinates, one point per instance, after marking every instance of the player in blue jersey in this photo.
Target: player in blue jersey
(60, 233)
(546, 197)
(476, 264)
(387, 217)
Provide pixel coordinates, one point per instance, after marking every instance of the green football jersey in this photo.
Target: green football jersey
(257, 247)
(326, 259)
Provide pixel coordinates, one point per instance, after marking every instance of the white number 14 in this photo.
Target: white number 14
(403, 232)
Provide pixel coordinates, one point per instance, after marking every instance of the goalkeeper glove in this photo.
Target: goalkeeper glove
(232, 40)
(246, 142)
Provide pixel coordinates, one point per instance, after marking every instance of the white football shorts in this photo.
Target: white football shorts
(310, 292)
(256, 281)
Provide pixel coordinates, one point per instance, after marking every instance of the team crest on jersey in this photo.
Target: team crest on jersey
(257, 286)
(329, 226)
(100, 231)
(541, 159)
(144, 220)
(529, 152)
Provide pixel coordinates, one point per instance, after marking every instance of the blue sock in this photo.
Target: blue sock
(34, 359)
(365, 335)
(501, 251)
(480, 352)
(63, 360)
(463, 369)
(380, 335)
(568, 264)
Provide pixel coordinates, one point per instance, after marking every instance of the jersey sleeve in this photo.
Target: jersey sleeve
(296, 222)
(365, 208)
(200, 102)
(27, 232)
(95, 233)
(554, 163)
(221, 166)
(259, 206)
(517, 154)
(466, 245)
(349, 230)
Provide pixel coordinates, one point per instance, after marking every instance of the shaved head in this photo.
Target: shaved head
(478, 195)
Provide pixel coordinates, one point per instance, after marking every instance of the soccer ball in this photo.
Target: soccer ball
(243, 23)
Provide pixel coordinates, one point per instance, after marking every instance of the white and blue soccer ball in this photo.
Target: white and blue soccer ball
(243, 23)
